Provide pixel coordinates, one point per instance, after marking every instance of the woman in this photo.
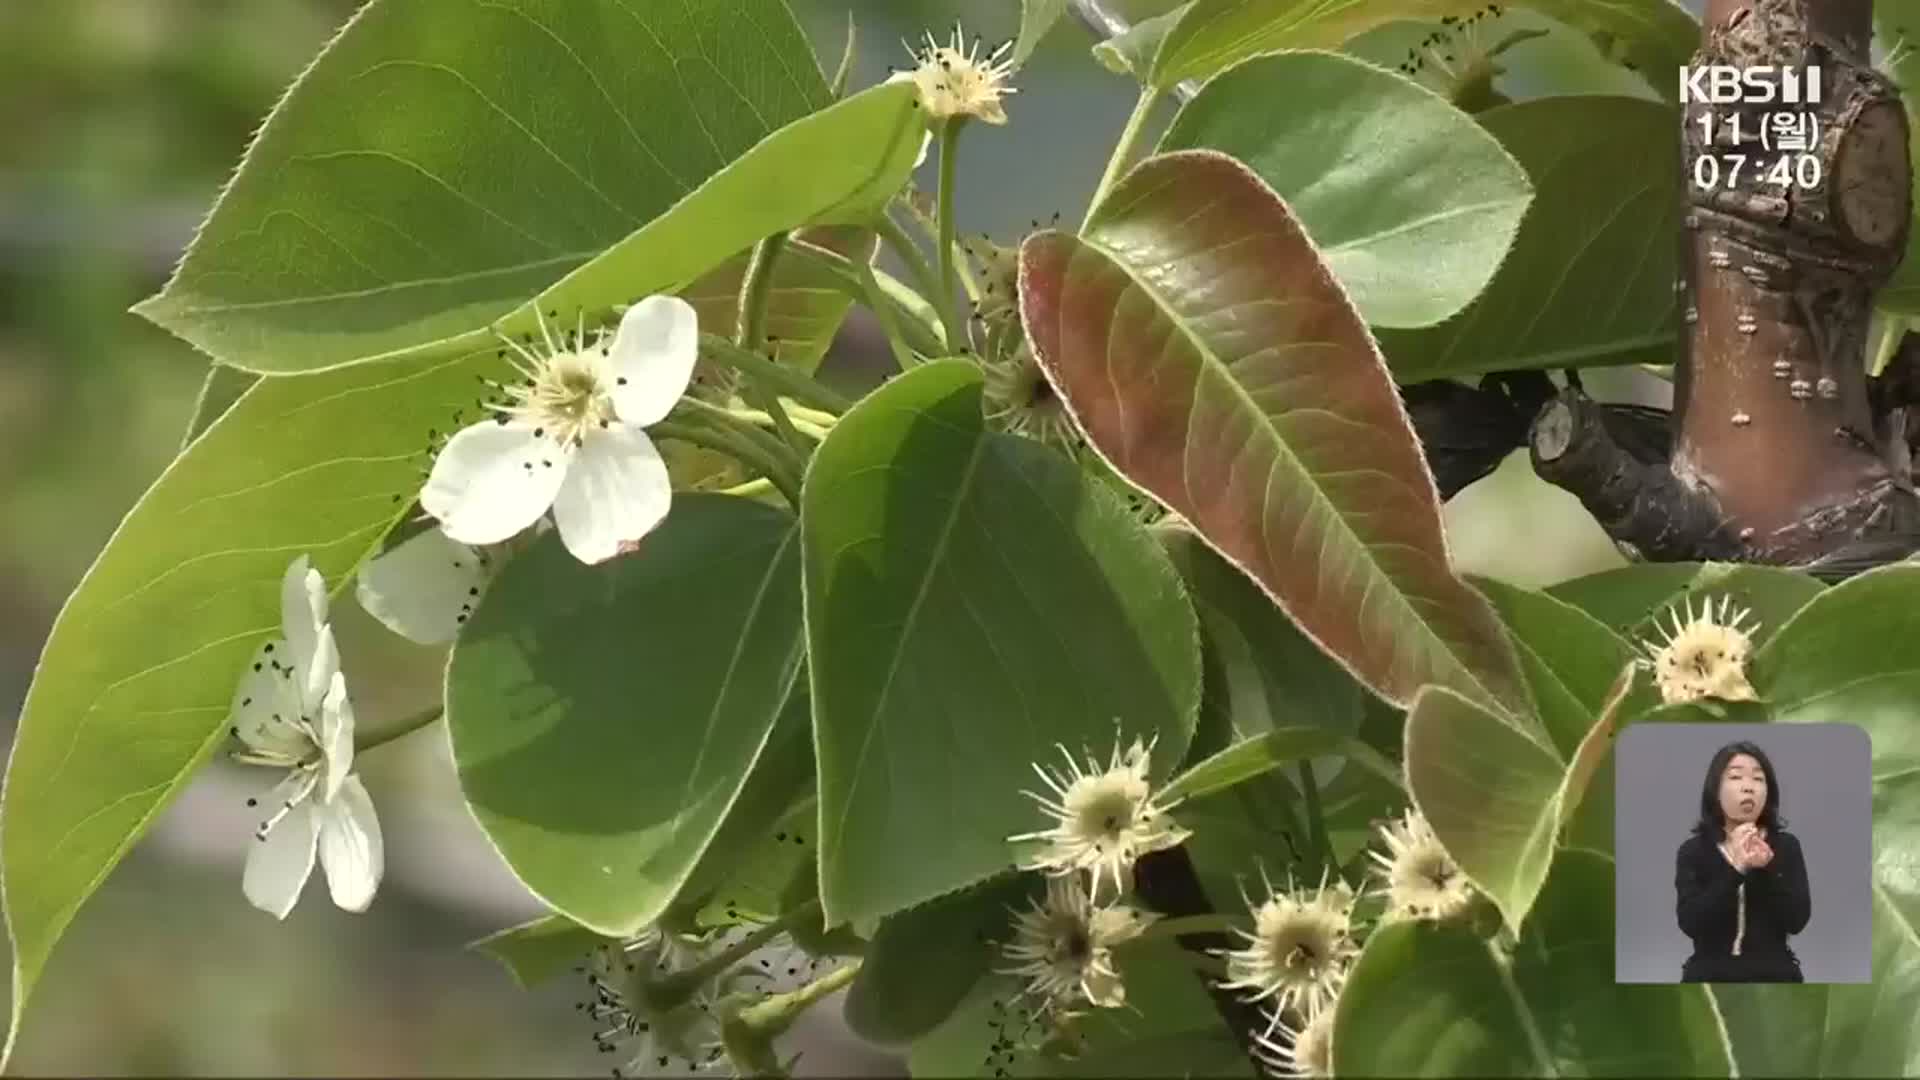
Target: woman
(1741, 881)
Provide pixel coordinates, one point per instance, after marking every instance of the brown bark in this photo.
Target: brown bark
(1772, 409)
(1782, 454)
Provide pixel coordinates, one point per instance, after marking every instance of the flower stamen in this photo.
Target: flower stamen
(1104, 819)
(1418, 878)
(1298, 952)
(1704, 655)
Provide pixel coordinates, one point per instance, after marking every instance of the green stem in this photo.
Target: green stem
(1316, 821)
(916, 263)
(775, 1015)
(760, 418)
(753, 338)
(1189, 924)
(728, 441)
(802, 414)
(752, 489)
(782, 378)
(751, 326)
(949, 277)
(405, 727)
(776, 450)
(882, 309)
(681, 985)
(1537, 1043)
(1123, 150)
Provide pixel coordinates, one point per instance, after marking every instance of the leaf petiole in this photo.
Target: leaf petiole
(949, 285)
(752, 332)
(780, 377)
(1123, 149)
(910, 254)
(731, 438)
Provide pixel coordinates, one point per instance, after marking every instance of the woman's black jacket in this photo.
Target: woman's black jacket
(1761, 907)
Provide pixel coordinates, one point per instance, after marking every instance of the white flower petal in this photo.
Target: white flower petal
(351, 849)
(652, 358)
(617, 491)
(303, 611)
(278, 866)
(266, 707)
(319, 674)
(493, 480)
(421, 588)
(336, 738)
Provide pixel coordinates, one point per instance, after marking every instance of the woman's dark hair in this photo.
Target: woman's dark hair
(1712, 823)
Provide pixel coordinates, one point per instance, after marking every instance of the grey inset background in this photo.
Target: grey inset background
(1825, 775)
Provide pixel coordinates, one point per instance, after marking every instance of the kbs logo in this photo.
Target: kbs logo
(1724, 84)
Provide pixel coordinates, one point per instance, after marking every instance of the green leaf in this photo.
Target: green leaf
(973, 600)
(1255, 827)
(1214, 35)
(605, 151)
(1654, 37)
(1586, 795)
(1589, 280)
(604, 719)
(1433, 999)
(223, 387)
(1847, 657)
(536, 951)
(924, 961)
(1570, 658)
(1429, 999)
(1657, 36)
(1036, 18)
(133, 689)
(764, 828)
(756, 888)
(1412, 204)
(1264, 753)
(805, 306)
(1262, 672)
(1854, 637)
(1841, 1029)
(1270, 425)
(1132, 52)
(1631, 600)
(1896, 30)
(1491, 791)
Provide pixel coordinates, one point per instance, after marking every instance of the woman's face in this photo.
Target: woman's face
(1743, 789)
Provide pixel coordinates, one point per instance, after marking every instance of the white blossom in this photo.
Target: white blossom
(1306, 1050)
(571, 438)
(291, 712)
(1103, 819)
(1418, 878)
(1299, 950)
(679, 1034)
(1063, 946)
(955, 80)
(1704, 656)
(426, 587)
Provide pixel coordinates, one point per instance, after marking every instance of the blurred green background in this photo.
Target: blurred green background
(123, 118)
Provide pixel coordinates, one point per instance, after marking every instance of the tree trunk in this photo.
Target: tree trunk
(1781, 452)
(1771, 406)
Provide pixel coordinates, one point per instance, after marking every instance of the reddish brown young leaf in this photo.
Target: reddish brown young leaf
(1200, 342)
